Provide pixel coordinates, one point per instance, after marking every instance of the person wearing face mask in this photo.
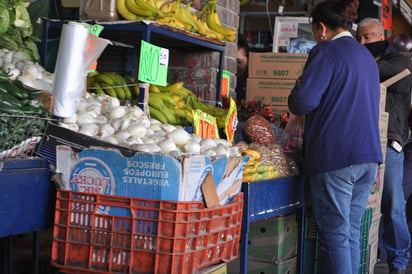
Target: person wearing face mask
(339, 93)
(395, 238)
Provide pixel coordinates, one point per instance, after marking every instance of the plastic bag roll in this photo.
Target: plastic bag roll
(69, 81)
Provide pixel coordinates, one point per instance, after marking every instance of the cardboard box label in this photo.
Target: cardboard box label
(269, 91)
(147, 175)
(276, 65)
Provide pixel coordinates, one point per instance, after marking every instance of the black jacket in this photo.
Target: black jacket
(398, 97)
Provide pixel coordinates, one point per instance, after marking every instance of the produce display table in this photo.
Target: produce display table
(27, 200)
(270, 198)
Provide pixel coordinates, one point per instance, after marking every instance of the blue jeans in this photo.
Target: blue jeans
(395, 238)
(339, 199)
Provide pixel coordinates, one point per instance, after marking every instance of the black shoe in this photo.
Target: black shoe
(397, 271)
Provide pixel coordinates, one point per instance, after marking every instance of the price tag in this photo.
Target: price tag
(153, 64)
(225, 85)
(231, 121)
(204, 124)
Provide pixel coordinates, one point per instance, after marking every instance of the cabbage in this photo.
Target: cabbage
(4, 19)
(22, 20)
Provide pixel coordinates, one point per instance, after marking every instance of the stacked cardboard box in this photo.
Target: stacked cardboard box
(272, 77)
(376, 196)
(272, 246)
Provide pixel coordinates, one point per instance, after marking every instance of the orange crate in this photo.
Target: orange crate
(152, 237)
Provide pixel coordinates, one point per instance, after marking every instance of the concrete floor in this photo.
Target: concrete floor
(382, 267)
(23, 263)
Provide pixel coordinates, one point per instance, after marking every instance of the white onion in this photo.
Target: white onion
(117, 112)
(192, 147)
(179, 136)
(137, 130)
(106, 130)
(167, 145)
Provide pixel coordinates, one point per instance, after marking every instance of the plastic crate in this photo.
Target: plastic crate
(312, 255)
(152, 237)
(364, 240)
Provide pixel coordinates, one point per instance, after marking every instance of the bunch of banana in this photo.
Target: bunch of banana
(178, 15)
(109, 83)
(138, 9)
(200, 18)
(219, 113)
(209, 14)
(167, 104)
(255, 170)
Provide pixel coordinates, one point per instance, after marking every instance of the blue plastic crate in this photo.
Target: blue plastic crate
(26, 196)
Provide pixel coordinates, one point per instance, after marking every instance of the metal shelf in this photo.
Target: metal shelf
(149, 31)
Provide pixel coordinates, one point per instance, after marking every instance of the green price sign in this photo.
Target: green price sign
(153, 64)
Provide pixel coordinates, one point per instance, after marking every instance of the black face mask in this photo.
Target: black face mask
(377, 48)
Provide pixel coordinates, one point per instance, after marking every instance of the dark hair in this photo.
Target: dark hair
(336, 13)
(242, 43)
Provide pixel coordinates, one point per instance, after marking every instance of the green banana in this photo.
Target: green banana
(105, 78)
(108, 89)
(156, 102)
(156, 114)
(170, 116)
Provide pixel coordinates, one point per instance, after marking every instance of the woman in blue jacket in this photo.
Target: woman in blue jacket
(339, 92)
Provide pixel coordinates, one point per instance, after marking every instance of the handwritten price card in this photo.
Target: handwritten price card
(153, 64)
(225, 84)
(205, 124)
(231, 121)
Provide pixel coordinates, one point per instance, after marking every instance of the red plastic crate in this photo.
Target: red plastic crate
(157, 237)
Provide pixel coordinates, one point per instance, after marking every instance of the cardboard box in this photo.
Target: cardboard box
(273, 240)
(214, 269)
(374, 202)
(269, 91)
(383, 124)
(276, 65)
(151, 176)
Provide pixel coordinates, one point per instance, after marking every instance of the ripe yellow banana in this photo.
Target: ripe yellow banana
(124, 11)
(181, 17)
(172, 87)
(214, 23)
(138, 11)
(206, 31)
(252, 153)
(145, 5)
